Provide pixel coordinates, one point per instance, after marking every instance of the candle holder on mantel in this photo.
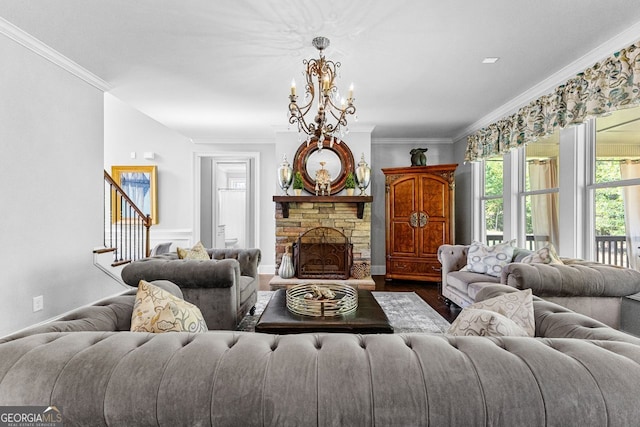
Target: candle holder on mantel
(285, 175)
(363, 175)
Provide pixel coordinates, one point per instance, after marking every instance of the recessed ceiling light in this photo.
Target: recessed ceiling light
(490, 60)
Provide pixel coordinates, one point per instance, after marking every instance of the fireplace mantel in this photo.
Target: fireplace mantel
(359, 200)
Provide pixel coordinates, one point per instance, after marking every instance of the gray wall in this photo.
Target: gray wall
(464, 201)
(52, 189)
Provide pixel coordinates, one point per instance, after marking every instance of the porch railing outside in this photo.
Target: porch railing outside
(126, 227)
(612, 250)
(609, 249)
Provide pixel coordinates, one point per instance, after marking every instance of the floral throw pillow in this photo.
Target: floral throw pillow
(156, 310)
(546, 255)
(197, 252)
(489, 259)
(505, 315)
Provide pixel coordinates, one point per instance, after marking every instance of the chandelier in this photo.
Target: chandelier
(332, 110)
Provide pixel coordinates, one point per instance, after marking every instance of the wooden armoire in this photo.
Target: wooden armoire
(419, 218)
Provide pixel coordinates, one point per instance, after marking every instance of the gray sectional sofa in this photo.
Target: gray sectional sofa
(224, 288)
(578, 372)
(590, 288)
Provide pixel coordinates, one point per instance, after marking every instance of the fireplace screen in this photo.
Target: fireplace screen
(322, 253)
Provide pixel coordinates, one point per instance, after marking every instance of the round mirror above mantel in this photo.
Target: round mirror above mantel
(337, 159)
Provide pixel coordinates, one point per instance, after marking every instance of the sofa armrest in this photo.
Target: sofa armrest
(249, 259)
(586, 279)
(452, 258)
(185, 273)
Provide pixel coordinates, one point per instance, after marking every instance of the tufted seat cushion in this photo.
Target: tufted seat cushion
(461, 279)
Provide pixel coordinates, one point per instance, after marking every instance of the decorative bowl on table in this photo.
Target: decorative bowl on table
(322, 300)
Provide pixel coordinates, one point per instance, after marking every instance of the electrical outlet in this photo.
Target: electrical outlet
(38, 303)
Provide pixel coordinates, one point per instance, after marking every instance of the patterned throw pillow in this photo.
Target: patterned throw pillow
(489, 259)
(156, 310)
(515, 308)
(197, 252)
(485, 323)
(546, 255)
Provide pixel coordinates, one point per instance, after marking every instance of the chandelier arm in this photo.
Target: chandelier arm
(350, 109)
(297, 116)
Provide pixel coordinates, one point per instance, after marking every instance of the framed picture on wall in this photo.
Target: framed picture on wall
(139, 183)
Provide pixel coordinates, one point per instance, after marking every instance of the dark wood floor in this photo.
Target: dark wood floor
(428, 291)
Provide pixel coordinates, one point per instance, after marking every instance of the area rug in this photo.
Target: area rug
(407, 312)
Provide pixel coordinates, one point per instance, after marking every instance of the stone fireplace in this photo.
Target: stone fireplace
(349, 215)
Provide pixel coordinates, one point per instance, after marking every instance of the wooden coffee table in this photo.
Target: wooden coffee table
(369, 318)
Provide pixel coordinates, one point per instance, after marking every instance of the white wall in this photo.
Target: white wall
(51, 189)
(126, 131)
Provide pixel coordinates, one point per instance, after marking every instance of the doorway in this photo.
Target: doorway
(228, 206)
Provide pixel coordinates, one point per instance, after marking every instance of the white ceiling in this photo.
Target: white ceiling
(222, 69)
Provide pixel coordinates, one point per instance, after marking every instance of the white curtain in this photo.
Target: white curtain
(544, 207)
(631, 197)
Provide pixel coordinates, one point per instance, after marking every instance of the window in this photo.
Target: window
(540, 195)
(615, 186)
(492, 200)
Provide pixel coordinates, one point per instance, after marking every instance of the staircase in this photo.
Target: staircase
(126, 231)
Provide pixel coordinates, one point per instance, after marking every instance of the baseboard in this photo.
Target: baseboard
(378, 270)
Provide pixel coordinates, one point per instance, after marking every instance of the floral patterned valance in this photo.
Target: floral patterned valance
(610, 85)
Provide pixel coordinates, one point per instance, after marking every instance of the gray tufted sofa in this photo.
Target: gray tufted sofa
(590, 288)
(224, 289)
(578, 373)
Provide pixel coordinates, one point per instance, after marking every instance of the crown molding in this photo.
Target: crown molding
(546, 86)
(51, 55)
(232, 140)
(428, 141)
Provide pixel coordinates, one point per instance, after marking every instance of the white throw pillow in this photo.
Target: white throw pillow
(489, 259)
(517, 307)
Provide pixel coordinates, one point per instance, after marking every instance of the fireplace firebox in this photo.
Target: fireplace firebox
(323, 253)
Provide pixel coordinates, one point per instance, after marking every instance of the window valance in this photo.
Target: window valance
(610, 85)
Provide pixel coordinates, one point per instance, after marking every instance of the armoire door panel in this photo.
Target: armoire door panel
(404, 238)
(434, 198)
(403, 198)
(434, 235)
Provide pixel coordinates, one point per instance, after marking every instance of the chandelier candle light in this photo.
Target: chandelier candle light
(328, 100)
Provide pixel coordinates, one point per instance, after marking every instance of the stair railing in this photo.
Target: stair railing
(126, 230)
